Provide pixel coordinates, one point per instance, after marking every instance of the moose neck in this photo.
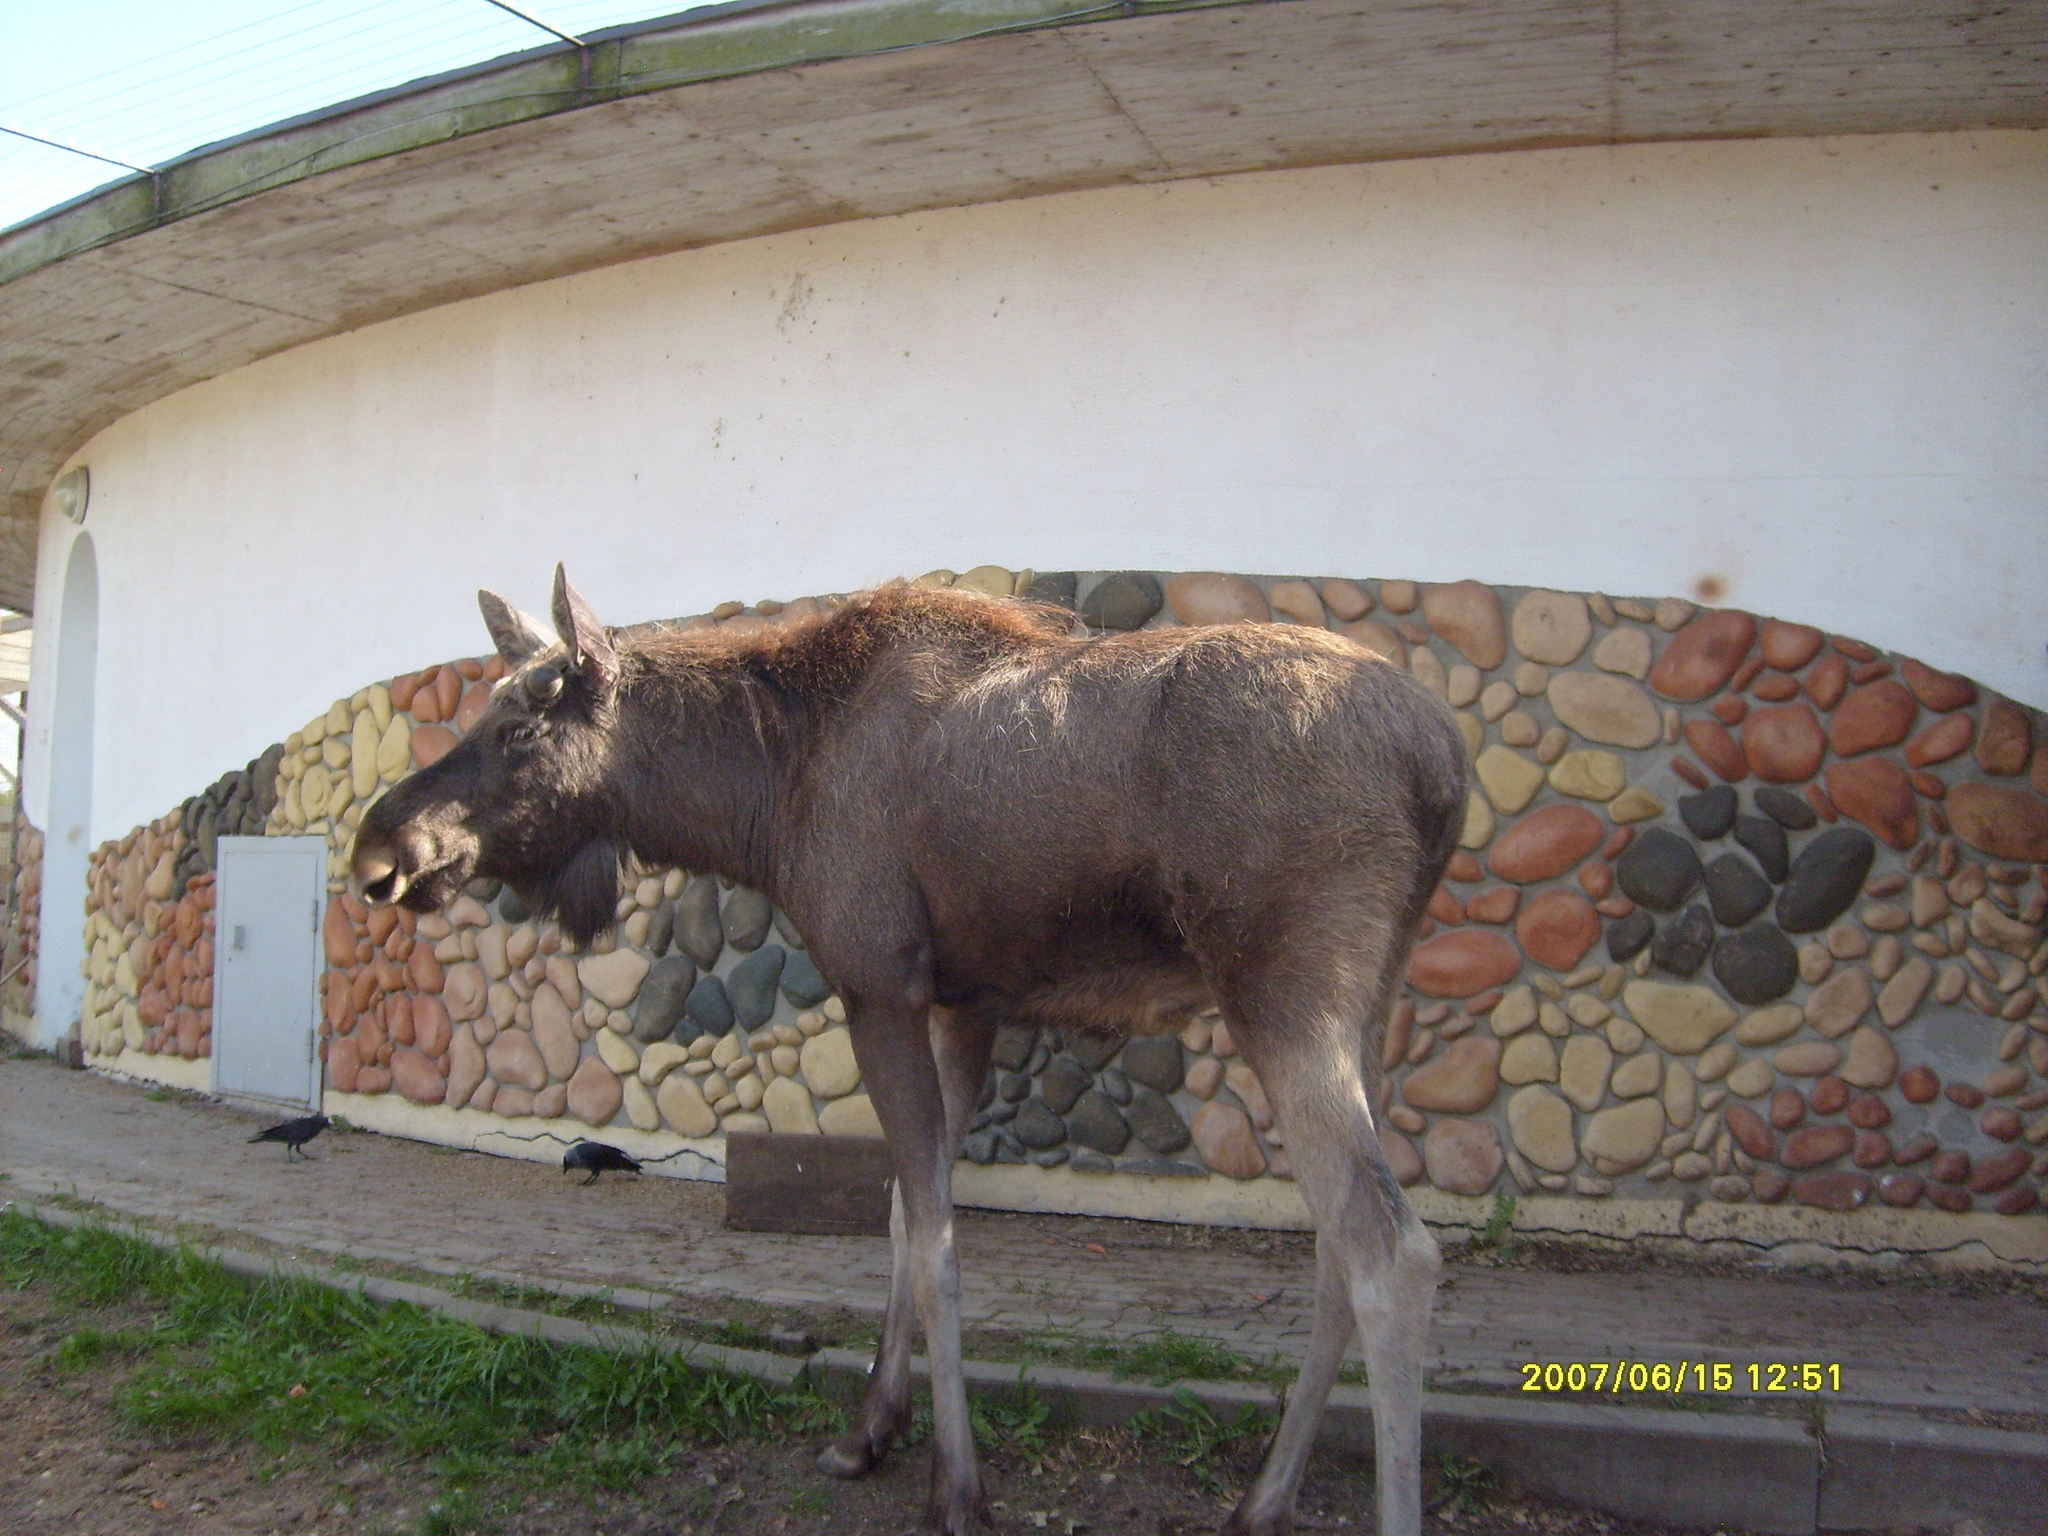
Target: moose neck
(698, 770)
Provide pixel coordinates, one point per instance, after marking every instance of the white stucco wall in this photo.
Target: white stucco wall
(1810, 370)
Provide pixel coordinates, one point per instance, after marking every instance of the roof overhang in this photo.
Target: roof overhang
(760, 117)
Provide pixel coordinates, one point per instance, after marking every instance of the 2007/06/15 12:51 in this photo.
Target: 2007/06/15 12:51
(1667, 1376)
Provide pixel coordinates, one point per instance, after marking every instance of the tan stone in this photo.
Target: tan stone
(1497, 699)
(1551, 627)
(989, 580)
(1462, 1157)
(660, 1059)
(1208, 597)
(1833, 1007)
(641, 1109)
(749, 1091)
(1462, 1081)
(1626, 651)
(1751, 1080)
(1588, 775)
(1634, 804)
(1807, 1058)
(562, 976)
(1872, 1061)
(1637, 1076)
(363, 756)
(1298, 601)
(1993, 929)
(617, 1052)
(515, 1061)
(829, 1066)
(615, 977)
(594, 1093)
(1603, 707)
(1684, 1020)
(1767, 1026)
(1427, 670)
(1223, 1135)
(788, 1107)
(1902, 994)
(853, 1116)
(1478, 826)
(1623, 1137)
(465, 991)
(1540, 1124)
(1509, 779)
(1681, 1095)
(1583, 1070)
(1625, 1035)
(553, 1032)
(1716, 1061)
(465, 1066)
(682, 1106)
(1467, 613)
(1515, 1012)
(1461, 684)
(503, 1003)
(493, 951)
(1529, 1058)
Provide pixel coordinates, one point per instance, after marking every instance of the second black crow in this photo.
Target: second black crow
(597, 1158)
(293, 1133)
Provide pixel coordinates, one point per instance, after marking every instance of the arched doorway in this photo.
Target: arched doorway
(60, 990)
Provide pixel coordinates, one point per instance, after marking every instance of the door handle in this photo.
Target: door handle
(240, 939)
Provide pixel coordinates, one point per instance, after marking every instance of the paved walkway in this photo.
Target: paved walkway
(188, 1164)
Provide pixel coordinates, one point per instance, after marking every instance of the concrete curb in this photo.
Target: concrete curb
(1872, 1470)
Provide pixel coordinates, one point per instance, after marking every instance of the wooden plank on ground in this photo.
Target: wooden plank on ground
(827, 1185)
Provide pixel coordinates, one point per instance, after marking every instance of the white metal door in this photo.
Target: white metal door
(272, 892)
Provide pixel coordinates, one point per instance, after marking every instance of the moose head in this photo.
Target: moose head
(521, 798)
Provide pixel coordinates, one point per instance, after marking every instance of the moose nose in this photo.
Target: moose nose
(377, 873)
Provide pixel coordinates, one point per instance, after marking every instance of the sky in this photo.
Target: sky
(143, 81)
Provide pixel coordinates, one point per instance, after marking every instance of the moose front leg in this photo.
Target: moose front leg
(959, 1052)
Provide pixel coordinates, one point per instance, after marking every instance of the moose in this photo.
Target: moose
(975, 817)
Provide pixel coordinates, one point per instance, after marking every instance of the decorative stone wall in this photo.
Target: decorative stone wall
(1745, 915)
(24, 918)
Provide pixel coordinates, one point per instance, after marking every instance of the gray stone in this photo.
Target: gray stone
(1003, 1113)
(788, 929)
(1787, 809)
(1157, 1123)
(1710, 813)
(1084, 1161)
(1627, 935)
(1037, 1126)
(1008, 1148)
(980, 1147)
(1063, 1083)
(661, 928)
(1683, 946)
(1094, 1048)
(1735, 890)
(663, 994)
(1659, 870)
(708, 1007)
(801, 983)
(1123, 600)
(1757, 966)
(511, 908)
(747, 916)
(1155, 1061)
(1016, 1088)
(1097, 1123)
(1051, 1157)
(1825, 878)
(751, 985)
(1161, 1168)
(1013, 1046)
(1055, 587)
(1116, 1085)
(698, 932)
(1765, 840)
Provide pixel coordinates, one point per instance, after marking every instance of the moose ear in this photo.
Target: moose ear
(517, 635)
(589, 643)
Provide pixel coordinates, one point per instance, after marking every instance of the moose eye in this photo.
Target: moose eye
(544, 684)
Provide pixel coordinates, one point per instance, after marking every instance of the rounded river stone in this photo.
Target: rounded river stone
(1063, 1083)
(1757, 966)
(802, 983)
(1765, 840)
(511, 908)
(698, 932)
(1157, 1123)
(751, 985)
(1735, 890)
(1682, 947)
(746, 917)
(1037, 1126)
(1659, 870)
(664, 992)
(1156, 1063)
(1788, 810)
(1093, 1048)
(1055, 587)
(1710, 813)
(1016, 1088)
(1013, 1045)
(1626, 936)
(1116, 1085)
(661, 927)
(1123, 600)
(1825, 878)
(785, 926)
(708, 1007)
(1098, 1124)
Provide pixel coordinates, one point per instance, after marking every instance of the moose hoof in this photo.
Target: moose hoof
(851, 1455)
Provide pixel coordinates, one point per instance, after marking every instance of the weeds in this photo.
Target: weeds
(1014, 1424)
(1462, 1484)
(1497, 1236)
(1193, 1436)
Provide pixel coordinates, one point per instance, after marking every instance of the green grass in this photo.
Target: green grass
(1193, 1436)
(288, 1363)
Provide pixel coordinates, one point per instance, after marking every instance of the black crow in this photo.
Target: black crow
(597, 1157)
(293, 1133)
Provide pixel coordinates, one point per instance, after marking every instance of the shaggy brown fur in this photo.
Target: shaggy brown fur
(975, 818)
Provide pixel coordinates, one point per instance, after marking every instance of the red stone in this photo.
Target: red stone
(1464, 867)
(1870, 672)
(431, 743)
(369, 1033)
(494, 669)
(1827, 681)
(426, 700)
(1869, 1112)
(334, 999)
(343, 1060)
(403, 689)
(1467, 613)
(448, 687)
(1919, 1149)
(1950, 1166)
(414, 1074)
(1901, 1189)
(1823, 807)
(470, 668)
(2005, 740)
(1817, 1144)
(188, 1027)
(1949, 1198)
(1768, 1186)
(1876, 792)
(1546, 843)
(1463, 964)
(2002, 821)
(1730, 708)
(361, 990)
(475, 700)
(1788, 647)
(1717, 749)
(1968, 1095)
(1879, 715)
(1776, 688)
(1927, 785)
(1616, 906)
(1495, 905)
(1689, 771)
(1596, 879)
(2017, 1201)
(1557, 928)
(424, 972)
(2037, 774)
(398, 1018)
(1704, 654)
(2000, 1124)
(1783, 744)
(1787, 1108)
(1750, 1133)
(383, 922)
(1617, 843)
(389, 977)
(1939, 691)
(1834, 1191)
(1746, 674)
(1444, 907)
(430, 1025)
(1484, 1003)
(1872, 1150)
(2000, 1169)
(338, 935)
(1855, 650)
(1462, 1081)
(1830, 1096)
(373, 1079)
